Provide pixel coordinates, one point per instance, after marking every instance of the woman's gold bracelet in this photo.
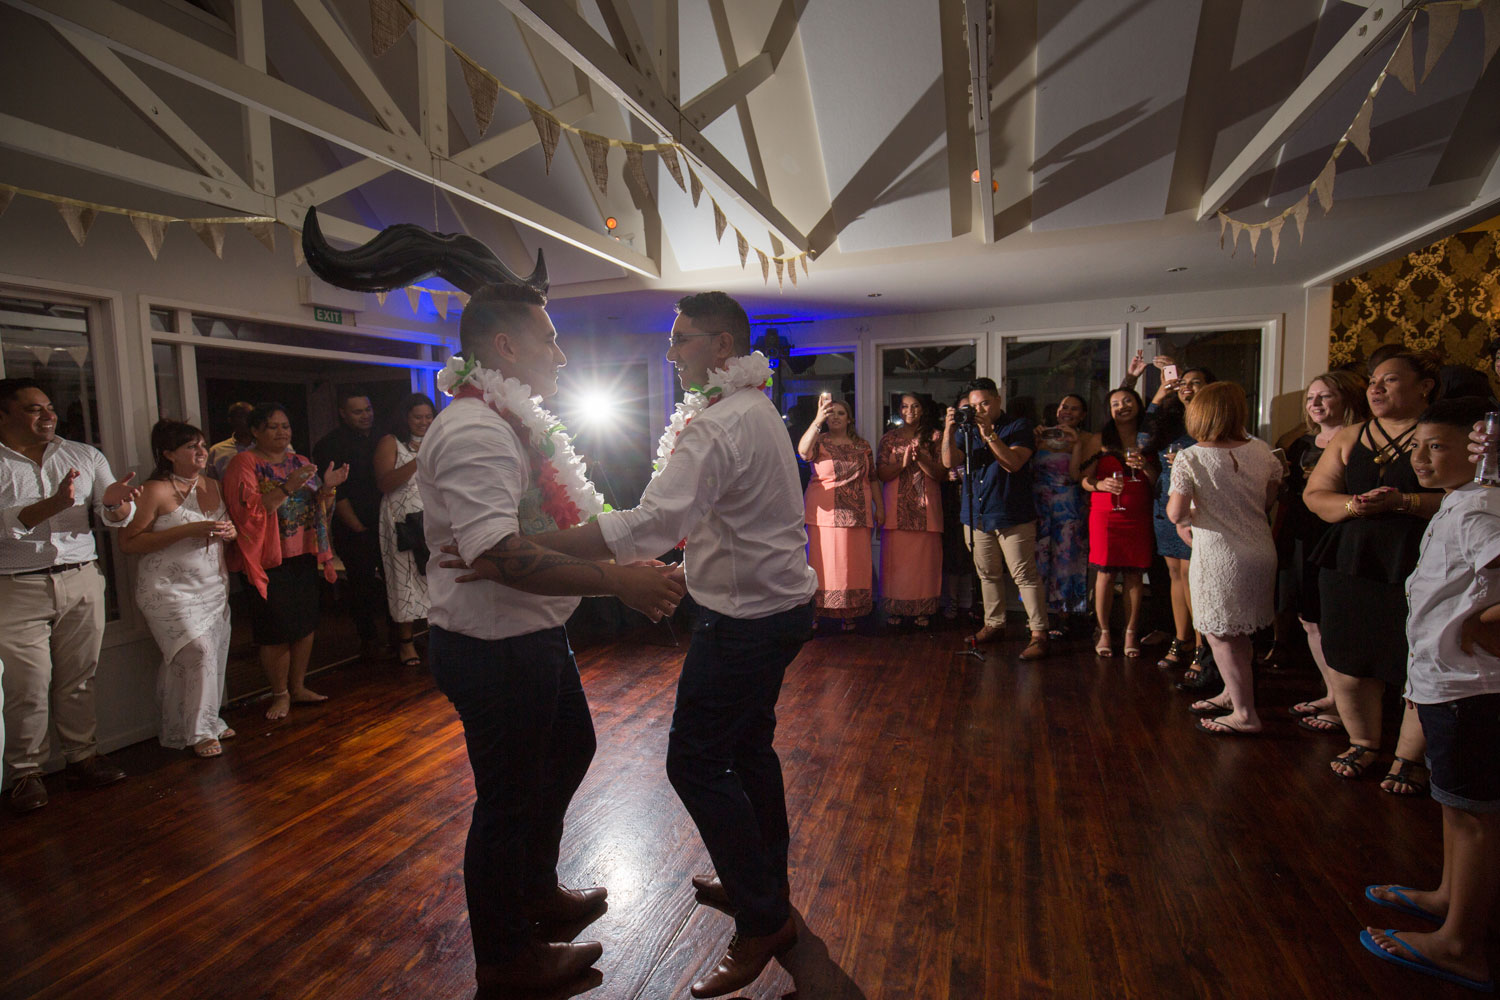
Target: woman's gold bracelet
(1349, 508)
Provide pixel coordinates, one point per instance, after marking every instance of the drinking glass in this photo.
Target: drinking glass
(1117, 500)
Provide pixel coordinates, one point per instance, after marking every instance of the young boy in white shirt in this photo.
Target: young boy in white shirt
(1453, 678)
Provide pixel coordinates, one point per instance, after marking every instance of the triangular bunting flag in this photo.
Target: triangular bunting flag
(1401, 65)
(42, 355)
(388, 22)
(79, 354)
(1299, 212)
(1275, 227)
(440, 300)
(380, 297)
(298, 257)
(791, 270)
(548, 131)
(1442, 21)
(635, 169)
(597, 148)
(804, 266)
(6, 194)
(744, 246)
(719, 223)
(212, 235)
(463, 297)
(765, 265)
(668, 156)
(1323, 186)
(1223, 224)
(780, 270)
(77, 219)
(1359, 129)
(695, 185)
(152, 231)
(1254, 238)
(1491, 12)
(265, 232)
(1234, 234)
(414, 296)
(483, 92)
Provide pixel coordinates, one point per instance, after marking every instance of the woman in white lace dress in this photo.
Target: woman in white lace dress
(1222, 488)
(179, 530)
(395, 475)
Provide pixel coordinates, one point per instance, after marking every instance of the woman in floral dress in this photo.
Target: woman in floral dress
(911, 547)
(839, 502)
(1061, 525)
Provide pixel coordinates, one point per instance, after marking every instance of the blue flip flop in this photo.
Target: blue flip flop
(1422, 964)
(1405, 906)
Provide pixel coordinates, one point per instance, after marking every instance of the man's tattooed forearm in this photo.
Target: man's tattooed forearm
(517, 561)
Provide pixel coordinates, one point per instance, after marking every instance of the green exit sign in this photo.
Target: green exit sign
(325, 315)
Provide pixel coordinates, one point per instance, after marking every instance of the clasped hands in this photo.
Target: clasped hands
(652, 587)
(1380, 500)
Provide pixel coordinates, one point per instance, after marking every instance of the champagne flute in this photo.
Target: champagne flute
(1117, 500)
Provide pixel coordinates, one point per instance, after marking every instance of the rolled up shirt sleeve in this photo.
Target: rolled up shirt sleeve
(701, 466)
(103, 478)
(475, 468)
(11, 527)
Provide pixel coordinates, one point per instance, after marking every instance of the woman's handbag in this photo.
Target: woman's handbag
(411, 537)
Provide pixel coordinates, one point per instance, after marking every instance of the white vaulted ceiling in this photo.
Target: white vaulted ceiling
(1107, 122)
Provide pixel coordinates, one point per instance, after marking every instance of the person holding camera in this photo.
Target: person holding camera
(998, 505)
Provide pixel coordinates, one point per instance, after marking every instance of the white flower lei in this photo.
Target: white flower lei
(750, 371)
(547, 433)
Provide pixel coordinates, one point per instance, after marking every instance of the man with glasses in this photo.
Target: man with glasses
(730, 488)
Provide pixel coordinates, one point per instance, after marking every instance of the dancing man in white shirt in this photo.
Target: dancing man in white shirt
(727, 482)
(51, 591)
(494, 470)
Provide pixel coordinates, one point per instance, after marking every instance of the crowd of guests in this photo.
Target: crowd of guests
(248, 505)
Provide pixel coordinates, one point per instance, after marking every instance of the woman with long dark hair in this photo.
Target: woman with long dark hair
(181, 585)
(1377, 511)
(281, 508)
(403, 552)
(1061, 525)
(911, 547)
(842, 507)
(1118, 479)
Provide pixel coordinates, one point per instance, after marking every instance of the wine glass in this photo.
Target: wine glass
(1117, 500)
(1132, 455)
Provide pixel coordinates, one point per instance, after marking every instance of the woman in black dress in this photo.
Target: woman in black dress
(1364, 487)
(1334, 400)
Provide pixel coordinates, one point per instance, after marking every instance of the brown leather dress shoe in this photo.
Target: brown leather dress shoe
(28, 794)
(93, 772)
(987, 634)
(712, 890)
(745, 960)
(540, 966)
(1036, 648)
(566, 906)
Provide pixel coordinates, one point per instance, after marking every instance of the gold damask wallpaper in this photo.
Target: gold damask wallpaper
(1443, 298)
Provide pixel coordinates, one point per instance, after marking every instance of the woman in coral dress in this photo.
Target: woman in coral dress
(839, 502)
(911, 547)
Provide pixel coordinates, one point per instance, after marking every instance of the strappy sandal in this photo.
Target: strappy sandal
(1357, 759)
(922, 621)
(1203, 674)
(1176, 654)
(1101, 643)
(1401, 774)
(1132, 647)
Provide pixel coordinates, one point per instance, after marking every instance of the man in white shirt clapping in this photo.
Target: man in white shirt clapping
(51, 591)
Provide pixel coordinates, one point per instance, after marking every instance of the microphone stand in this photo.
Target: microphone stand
(971, 648)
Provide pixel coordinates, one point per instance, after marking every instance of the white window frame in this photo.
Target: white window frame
(1118, 336)
(1272, 333)
(872, 376)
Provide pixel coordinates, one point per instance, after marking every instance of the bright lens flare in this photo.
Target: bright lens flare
(596, 408)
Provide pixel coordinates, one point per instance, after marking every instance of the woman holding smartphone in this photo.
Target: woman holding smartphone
(839, 503)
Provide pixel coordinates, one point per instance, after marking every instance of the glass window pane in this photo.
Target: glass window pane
(216, 328)
(802, 377)
(1039, 372)
(163, 321)
(939, 372)
(168, 382)
(1231, 355)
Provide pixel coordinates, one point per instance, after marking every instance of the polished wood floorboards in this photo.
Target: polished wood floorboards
(960, 830)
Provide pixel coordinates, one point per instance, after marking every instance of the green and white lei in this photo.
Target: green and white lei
(750, 371)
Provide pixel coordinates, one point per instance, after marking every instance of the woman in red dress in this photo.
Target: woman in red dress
(1119, 482)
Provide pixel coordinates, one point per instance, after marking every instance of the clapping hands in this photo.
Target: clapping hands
(117, 493)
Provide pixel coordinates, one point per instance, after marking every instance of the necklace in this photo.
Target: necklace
(1394, 447)
(750, 371)
(189, 486)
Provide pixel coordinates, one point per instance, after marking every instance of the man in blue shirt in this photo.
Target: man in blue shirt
(997, 504)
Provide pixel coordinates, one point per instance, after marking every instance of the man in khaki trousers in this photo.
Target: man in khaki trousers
(51, 591)
(998, 505)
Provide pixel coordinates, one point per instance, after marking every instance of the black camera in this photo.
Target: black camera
(964, 417)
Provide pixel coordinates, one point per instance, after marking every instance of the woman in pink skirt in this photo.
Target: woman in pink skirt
(911, 547)
(839, 503)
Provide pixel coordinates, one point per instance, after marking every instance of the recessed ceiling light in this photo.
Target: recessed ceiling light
(873, 295)
(1174, 270)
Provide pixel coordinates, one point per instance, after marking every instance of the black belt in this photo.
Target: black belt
(53, 570)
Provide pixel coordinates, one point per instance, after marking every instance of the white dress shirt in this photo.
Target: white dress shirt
(731, 489)
(473, 475)
(63, 538)
(1452, 581)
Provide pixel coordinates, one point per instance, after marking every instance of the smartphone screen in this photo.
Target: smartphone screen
(1169, 373)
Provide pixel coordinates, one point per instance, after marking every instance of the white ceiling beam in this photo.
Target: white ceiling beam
(330, 186)
(731, 58)
(976, 15)
(153, 109)
(498, 148)
(626, 34)
(668, 50)
(720, 97)
(144, 39)
(60, 147)
(356, 68)
(432, 77)
(571, 35)
(250, 41)
(1374, 26)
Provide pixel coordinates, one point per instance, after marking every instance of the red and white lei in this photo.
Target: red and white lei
(568, 497)
(751, 371)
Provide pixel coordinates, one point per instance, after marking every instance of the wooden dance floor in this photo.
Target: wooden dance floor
(960, 830)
